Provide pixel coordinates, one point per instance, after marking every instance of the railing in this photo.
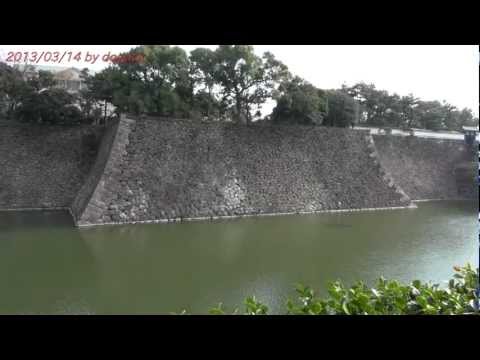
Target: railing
(415, 132)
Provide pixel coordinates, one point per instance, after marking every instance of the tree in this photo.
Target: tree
(51, 106)
(368, 97)
(299, 102)
(12, 89)
(447, 116)
(245, 80)
(392, 110)
(167, 80)
(208, 83)
(466, 118)
(89, 105)
(407, 106)
(379, 108)
(202, 69)
(34, 99)
(202, 73)
(205, 106)
(160, 85)
(43, 80)
(429, 115)
(107, 87)
(342, 109)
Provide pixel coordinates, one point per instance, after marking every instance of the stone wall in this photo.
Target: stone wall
(44, 166)
(102, 191)
(168, 169)
(466, 173)
(92, 181)
(425, 168)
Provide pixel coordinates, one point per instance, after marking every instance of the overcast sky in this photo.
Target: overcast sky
(430, 72)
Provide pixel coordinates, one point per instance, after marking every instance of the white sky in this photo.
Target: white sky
(431, 72)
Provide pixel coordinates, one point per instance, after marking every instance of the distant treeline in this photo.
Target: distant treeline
(230, 83)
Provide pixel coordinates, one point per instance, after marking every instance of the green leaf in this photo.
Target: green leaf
(345, 308)
(415, 291)
(417, 284)
(218, 310)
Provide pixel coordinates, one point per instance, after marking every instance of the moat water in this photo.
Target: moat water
(47, 266)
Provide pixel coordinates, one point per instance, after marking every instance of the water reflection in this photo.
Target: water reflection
(41, 265)
(48, 266)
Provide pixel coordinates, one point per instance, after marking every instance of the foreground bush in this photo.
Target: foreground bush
(388, 297)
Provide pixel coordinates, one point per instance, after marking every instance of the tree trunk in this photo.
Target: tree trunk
(239, 109)
(105, 115)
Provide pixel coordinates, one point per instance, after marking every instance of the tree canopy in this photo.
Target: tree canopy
(230, 83)
(342, 110)
(379, 108)
(34, 99)
(299, 102)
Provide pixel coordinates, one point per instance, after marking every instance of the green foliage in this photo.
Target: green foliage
(34, 98)
(387, 297)
(218, 310)
(252, 307)
(53, 106)
(12, 88)
(202, 68)
(299, 102)
(342, 110)
(255, 307)
(44, 80)
(159, 85)
(211, 84)
(244, 80)
(379, 108)
(229, 83)
(428, 115)
(205, 106)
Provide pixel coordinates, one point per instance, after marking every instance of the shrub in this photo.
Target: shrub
(388, 297)
(53, 106)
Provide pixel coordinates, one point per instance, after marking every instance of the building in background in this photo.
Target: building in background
(69, 80)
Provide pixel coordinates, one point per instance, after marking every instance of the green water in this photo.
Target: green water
(48, 266)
